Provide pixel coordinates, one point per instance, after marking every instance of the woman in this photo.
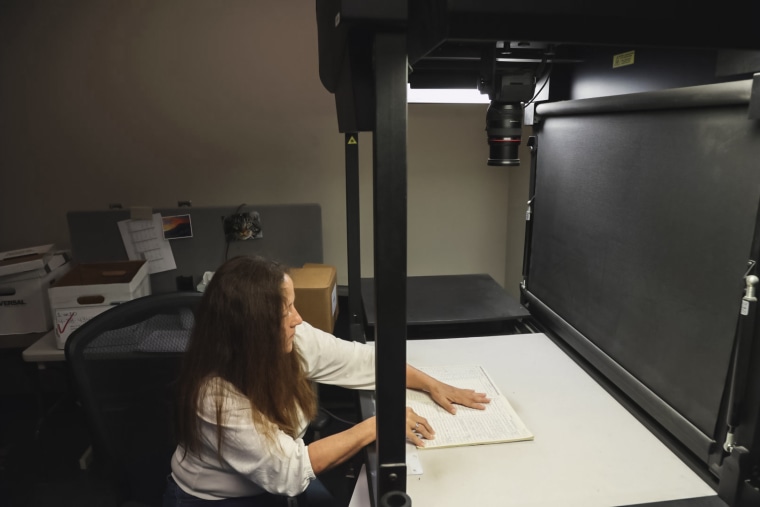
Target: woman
(246, 394)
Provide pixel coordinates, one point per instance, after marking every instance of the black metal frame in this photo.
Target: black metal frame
(366, 49)
(390, 258)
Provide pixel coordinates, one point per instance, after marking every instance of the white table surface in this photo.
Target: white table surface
(588, 449)
(44, 350)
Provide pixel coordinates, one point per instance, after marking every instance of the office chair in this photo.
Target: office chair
(124, 364)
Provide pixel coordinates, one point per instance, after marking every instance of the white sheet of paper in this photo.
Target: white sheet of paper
(144, 240)
(498, 423)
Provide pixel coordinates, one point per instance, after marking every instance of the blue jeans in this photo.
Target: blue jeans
(316, 495)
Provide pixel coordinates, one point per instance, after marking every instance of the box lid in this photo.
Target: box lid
(312, 276)
(25, 259)
(126, 273)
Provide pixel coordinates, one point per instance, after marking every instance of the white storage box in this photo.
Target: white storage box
(90, 289)
(25, 276)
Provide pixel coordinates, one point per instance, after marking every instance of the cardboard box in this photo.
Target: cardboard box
(316, 294)
(25, 259)
(25, 277)
(90, 289)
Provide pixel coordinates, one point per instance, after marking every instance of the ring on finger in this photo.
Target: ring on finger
(416, 426)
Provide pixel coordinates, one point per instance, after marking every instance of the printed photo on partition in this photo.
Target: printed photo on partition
(178, 226)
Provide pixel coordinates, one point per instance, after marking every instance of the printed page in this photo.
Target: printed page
(497, 423)
(144, 240)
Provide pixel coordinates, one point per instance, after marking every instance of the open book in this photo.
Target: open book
(497, 423)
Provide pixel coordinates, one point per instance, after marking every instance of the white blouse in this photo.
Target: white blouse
(251, 464)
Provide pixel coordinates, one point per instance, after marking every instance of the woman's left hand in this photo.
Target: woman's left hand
(446, 396)
(417, 427)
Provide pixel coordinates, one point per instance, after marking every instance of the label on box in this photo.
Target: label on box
(69, 319)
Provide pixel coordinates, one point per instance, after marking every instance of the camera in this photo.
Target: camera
(504, 130)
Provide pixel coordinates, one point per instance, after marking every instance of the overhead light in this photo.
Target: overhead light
(445, 96)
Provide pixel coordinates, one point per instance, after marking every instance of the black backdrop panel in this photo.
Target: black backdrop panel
(642, 228)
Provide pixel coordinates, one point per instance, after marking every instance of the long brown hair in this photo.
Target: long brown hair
(238, 337)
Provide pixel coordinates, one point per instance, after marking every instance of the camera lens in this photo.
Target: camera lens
(504, 129)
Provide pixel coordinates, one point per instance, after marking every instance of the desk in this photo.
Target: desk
(18, 341)
(589, 451)
(451, 305)
(44, 350)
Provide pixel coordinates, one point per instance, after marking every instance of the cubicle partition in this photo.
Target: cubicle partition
(643, 243)
(291, 233)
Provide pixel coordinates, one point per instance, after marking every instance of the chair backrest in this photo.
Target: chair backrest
(124, 363)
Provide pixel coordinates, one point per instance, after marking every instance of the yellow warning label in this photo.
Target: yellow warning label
(623, 59)
(352, 140)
